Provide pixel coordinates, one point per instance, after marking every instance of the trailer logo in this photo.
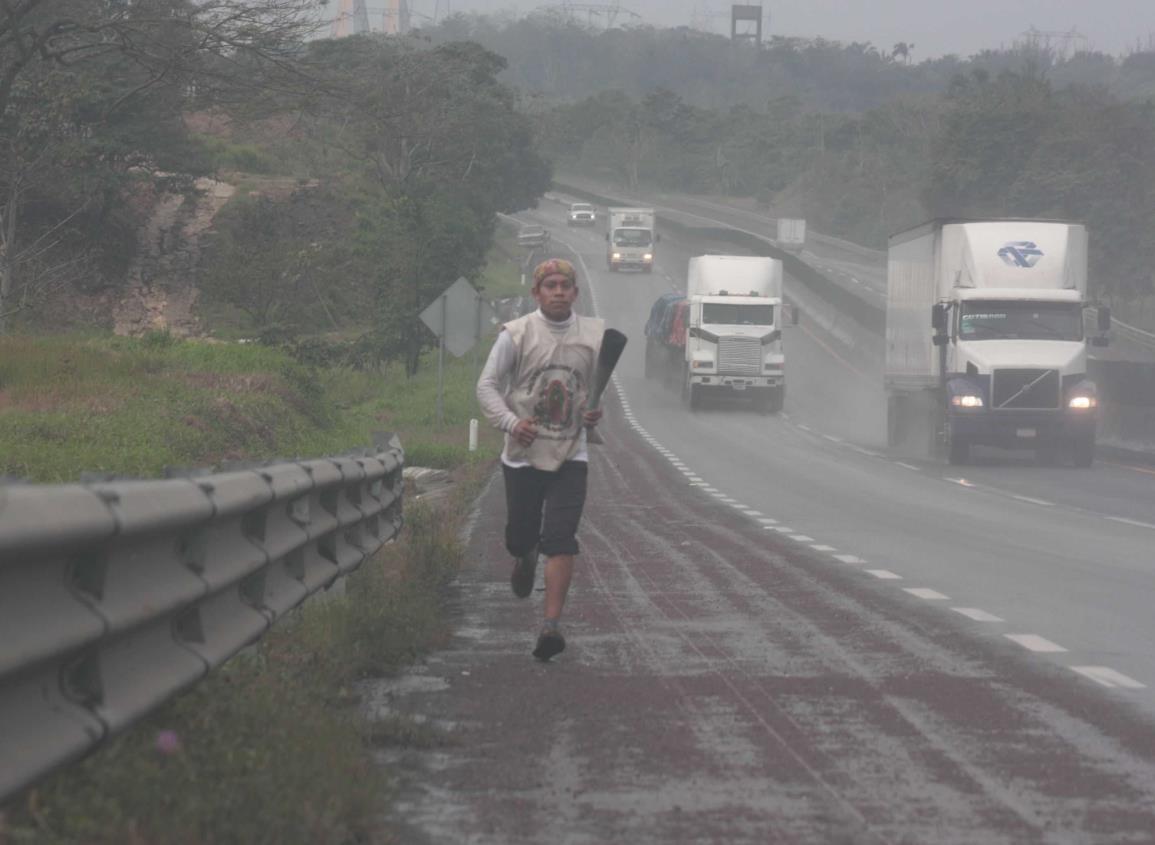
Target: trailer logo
(1020, 254)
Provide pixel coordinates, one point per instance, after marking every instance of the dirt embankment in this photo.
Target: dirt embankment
(161, 292)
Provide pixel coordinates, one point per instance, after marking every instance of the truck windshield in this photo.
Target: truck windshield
(727, 314)
(632, 237)
(1003, 320)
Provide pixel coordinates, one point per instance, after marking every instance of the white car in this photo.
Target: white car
(582, 214)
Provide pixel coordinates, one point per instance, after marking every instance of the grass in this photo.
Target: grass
(132, 407)
(502, 275)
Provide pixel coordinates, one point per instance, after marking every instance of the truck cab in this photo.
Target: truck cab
(734, 340)
(1000, 341)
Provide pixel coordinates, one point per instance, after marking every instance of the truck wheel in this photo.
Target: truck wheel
(770, 402)
(893, 421)
(695, 398)
(1083, 452)
(959, 452)
(1047, 455)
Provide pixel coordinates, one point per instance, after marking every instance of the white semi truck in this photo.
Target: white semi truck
(734, 336)
(985, 340)
(630, 239)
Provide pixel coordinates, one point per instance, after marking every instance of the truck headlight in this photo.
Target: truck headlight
(617, 256)
(648, 257)
(1082, 403)
(967, 400)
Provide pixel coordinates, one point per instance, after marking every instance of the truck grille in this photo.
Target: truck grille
(1033, 390)
(740, 356)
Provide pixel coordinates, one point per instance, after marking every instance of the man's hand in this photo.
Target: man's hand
(525, 432)
(591, 418)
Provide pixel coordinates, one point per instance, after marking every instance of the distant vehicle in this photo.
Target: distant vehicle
(630, 239)
(791, 233)
(582, 214)
(533, 236)
(984, 338)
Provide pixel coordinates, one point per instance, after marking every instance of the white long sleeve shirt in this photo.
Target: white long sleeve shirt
(495, 379)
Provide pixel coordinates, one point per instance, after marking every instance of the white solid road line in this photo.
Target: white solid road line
(1029, 500)
(976, 614)
(909, 466)
(884, 574)
(1134, 522)
(1034, 642)
(925, 593)
(1108, 677)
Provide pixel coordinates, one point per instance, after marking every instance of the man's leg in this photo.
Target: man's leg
(524, 496)
(564, 501)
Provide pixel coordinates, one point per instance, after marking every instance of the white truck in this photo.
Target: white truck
(734, 337)
(630, 239)
(985, 340)
(791, 233)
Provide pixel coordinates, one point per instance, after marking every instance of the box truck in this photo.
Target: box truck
(630, 239)
(985, 341)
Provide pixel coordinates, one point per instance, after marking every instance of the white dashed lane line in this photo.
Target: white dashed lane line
(977, 615)
(1033, 642)
(851, 559)
(1108, 677)
(884, 574)
(925, 593)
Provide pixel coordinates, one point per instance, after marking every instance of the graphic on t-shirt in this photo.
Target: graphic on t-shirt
(555, 388)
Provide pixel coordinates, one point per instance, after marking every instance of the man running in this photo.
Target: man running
(535, 388)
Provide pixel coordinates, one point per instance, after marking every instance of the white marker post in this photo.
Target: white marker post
(473, 435)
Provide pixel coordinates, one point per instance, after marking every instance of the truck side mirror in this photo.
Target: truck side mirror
(941, 339)
(792, 315)
(938, 319)
(1104, 318)
(607, 237)
(657, 238)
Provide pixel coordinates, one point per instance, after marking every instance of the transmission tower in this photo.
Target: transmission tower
(703, 18)
(1062, 44)
(352, 18)
(395, 19)
(606, 14)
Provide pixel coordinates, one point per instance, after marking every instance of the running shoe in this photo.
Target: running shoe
(524, 570)
(549, 643)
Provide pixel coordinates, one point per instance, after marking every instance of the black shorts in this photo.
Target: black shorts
(544, 508)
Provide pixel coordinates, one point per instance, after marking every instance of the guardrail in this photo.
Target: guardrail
(115, 596)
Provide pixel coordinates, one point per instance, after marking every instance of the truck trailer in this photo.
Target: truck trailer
(724, 338)
(630, 239)
(985, 342)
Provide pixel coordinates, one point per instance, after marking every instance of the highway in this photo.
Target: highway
(782, 633)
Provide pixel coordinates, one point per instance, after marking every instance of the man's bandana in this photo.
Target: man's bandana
(554, 267)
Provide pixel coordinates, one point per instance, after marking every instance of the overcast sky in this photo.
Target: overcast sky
(934, 26)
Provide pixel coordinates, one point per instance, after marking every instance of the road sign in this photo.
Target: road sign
(460, 317)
